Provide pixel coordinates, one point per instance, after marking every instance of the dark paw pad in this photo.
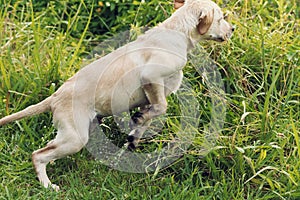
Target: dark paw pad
(135, 118)
(130, 138)
(131, 146)
(99, 119)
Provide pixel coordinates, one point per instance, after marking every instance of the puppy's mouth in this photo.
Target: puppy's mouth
(219, 38)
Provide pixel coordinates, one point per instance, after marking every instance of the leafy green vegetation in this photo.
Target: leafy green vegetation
(257, 154)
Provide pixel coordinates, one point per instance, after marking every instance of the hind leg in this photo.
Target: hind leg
(69, 140)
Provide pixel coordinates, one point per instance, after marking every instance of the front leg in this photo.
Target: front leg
(135, 135)
(154, 109)
(157, 81)
(155, 93)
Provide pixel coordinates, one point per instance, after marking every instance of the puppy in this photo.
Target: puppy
(139, 74)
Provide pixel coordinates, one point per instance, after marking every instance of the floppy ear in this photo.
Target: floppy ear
(178, 3)
(205, 20)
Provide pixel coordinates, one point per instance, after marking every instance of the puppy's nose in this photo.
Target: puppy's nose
(232, 28)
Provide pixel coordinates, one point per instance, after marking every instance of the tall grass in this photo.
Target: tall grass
(256, 157)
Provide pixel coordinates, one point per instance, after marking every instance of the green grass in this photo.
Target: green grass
(256, 157)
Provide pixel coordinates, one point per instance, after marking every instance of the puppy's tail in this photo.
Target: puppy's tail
(29, 111)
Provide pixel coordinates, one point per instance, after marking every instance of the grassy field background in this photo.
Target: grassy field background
(257, 155)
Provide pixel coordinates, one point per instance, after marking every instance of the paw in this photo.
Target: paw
(55, 187)
(131, 147)
(130, 142)
(130, 138)
(137, 119)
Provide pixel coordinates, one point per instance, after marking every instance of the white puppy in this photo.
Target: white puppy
(139, 74)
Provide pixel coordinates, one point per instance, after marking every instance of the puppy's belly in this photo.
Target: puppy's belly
(124, 99)
(120, 99)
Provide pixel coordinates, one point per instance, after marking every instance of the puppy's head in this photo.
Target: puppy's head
(211, 23)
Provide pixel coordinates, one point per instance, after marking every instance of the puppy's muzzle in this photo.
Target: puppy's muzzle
(224, 37)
